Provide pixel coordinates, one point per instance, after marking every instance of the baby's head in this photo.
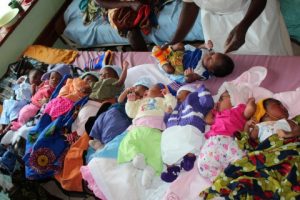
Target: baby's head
(141, 86)
(54, 79)
(35, 76)
(224, 102)
(90, 77)
(184, 91)
(218, 64)
(270, 109)
(155, 91)
(110, 71)
(56, 73)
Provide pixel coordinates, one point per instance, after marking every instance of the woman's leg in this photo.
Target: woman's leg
(136, 40)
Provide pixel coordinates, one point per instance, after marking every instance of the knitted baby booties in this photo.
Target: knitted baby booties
(171, 174)
(188, 162)
(8, 161)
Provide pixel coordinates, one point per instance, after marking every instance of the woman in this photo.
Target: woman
(248, 26)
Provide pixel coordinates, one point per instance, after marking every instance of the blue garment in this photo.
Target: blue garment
(46, 144)
(110, 124)
(11, 109)
(110, 150)
(192, 58)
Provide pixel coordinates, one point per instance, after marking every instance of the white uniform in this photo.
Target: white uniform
(267, 35)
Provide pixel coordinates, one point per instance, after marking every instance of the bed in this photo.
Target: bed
(109, 175)
(99, 33)
(103, 169)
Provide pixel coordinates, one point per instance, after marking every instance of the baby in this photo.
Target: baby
(220, 148)
(272, 118)
(24, 88)
(185, 130)
(104, 93)
(195, 63)
(74, 90)
(139, 88)
(142, 143)
(50, 80)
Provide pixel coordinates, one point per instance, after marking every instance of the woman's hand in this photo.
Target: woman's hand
(236, 38)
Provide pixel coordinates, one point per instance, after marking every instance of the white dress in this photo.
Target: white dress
(266, 129)
(267, 35)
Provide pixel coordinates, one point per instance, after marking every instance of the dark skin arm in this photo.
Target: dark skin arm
(236, 37)
(187, 19)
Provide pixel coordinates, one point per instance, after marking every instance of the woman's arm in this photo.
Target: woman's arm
(187, 19)
(236, 37)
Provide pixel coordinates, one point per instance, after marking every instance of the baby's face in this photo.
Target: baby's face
(139, 91)
(90, 79)
(106, 73)
(35, 78)
(181, 96)
(210, 60)
(224, 102)
(277, 111)
(154, 91)
(54, 79)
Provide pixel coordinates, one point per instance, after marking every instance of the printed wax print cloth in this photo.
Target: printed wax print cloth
(46, 144)
(268, 171)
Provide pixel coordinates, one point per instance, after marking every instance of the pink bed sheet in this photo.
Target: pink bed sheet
(283, 71)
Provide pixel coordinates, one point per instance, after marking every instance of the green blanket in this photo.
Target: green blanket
(270, 170)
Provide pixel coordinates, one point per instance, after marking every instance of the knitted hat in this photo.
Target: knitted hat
(260, 110)
(94, 74)
(62, 69)
(117, 69)
(188, 87)
(144, 81)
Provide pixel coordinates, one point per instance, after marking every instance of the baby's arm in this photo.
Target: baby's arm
(209, 118)
(169, 100)
(124, 94)
(190, 76)
(250, 108)
(123, 74)
(288, 134)
(252, 129)
(132, 105)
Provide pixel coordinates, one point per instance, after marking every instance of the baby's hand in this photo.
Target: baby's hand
(250, 123)
(125, 65)
(20, 80)
(129, 90)
(281, 133)
(189, 71)
(209, 45)
(131, 97)
(165, 91)
(43, 101)
(169, 110)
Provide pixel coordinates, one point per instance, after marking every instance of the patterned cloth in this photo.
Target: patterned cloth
(216, 153)
(268, 171)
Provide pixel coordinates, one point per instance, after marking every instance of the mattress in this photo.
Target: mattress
(100, 33)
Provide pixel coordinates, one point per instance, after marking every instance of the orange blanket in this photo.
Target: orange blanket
(50, 55)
